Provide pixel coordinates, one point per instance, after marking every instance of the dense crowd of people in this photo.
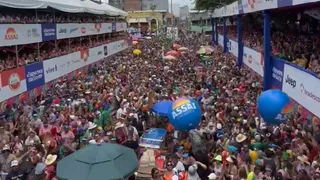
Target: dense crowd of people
(110, 104)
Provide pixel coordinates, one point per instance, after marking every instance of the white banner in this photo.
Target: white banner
(302, 87)
(60, 66)
(14, 34)
(220, 40)
(77, 30)
(233, 47)
(253, 59)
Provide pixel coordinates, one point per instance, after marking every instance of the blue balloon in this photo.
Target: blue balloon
(273, 106)
(184, 114)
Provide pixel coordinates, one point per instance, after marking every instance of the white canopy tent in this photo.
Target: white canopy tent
(94, 8)
(71, 6)
(117, 11)
(23, 4)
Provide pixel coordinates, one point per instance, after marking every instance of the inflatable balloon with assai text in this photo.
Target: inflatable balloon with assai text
(184, 114)
(274, 106)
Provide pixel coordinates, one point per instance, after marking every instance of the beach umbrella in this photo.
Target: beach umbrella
(176, 46)
(183, 49)
(169, 57)
(136, 52)
(134, 42)
(161, 108)
(98, 161)
(172, 53)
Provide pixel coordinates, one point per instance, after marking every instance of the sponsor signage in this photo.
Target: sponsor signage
(249, 6)
(34, 75)
(302, 87)
(220, 40)
(60, 66)
(253, 59)
(48, 32)
(13, 83)
(277, 73)
(15, 34)
(121, 26)
(233, 47)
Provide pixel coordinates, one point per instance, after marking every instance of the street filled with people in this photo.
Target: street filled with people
(110, 103)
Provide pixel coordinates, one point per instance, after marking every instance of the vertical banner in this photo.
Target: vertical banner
(114, 26)
(277, 66)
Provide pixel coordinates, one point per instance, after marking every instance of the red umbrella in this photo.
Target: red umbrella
(172, 53)
(176, 46)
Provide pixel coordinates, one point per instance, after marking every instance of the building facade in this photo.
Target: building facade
(184, 12)
(155, 5)
(132, 5)
(116, 3)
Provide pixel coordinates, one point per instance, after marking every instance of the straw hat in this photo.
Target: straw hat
(240, 138)
(50, 159)
(303, 159)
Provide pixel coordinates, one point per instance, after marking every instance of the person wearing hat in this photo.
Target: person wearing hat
(16, 172)
(217, 165)
(50, 163)
(231, 170)
(303, 164)
(192, 173)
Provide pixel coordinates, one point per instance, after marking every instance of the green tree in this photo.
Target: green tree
(209, 5)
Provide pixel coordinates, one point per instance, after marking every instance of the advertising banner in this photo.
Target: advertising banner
(220, 40)
(121, 26)
(107, 27)
(68, 30)
(48, 32)
(233, 47)
(60, 66)
(277, 66)
(302, 87)
(15, 34)
(13, 83)
(34, 75)
(249, 6)
(85, 29)
(253, 59)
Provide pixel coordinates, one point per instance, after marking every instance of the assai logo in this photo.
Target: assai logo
(11, 34)
(291, 81)
(52, 69)
(182, 106)
(84, 54)
(286, 111)
(14, 81)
